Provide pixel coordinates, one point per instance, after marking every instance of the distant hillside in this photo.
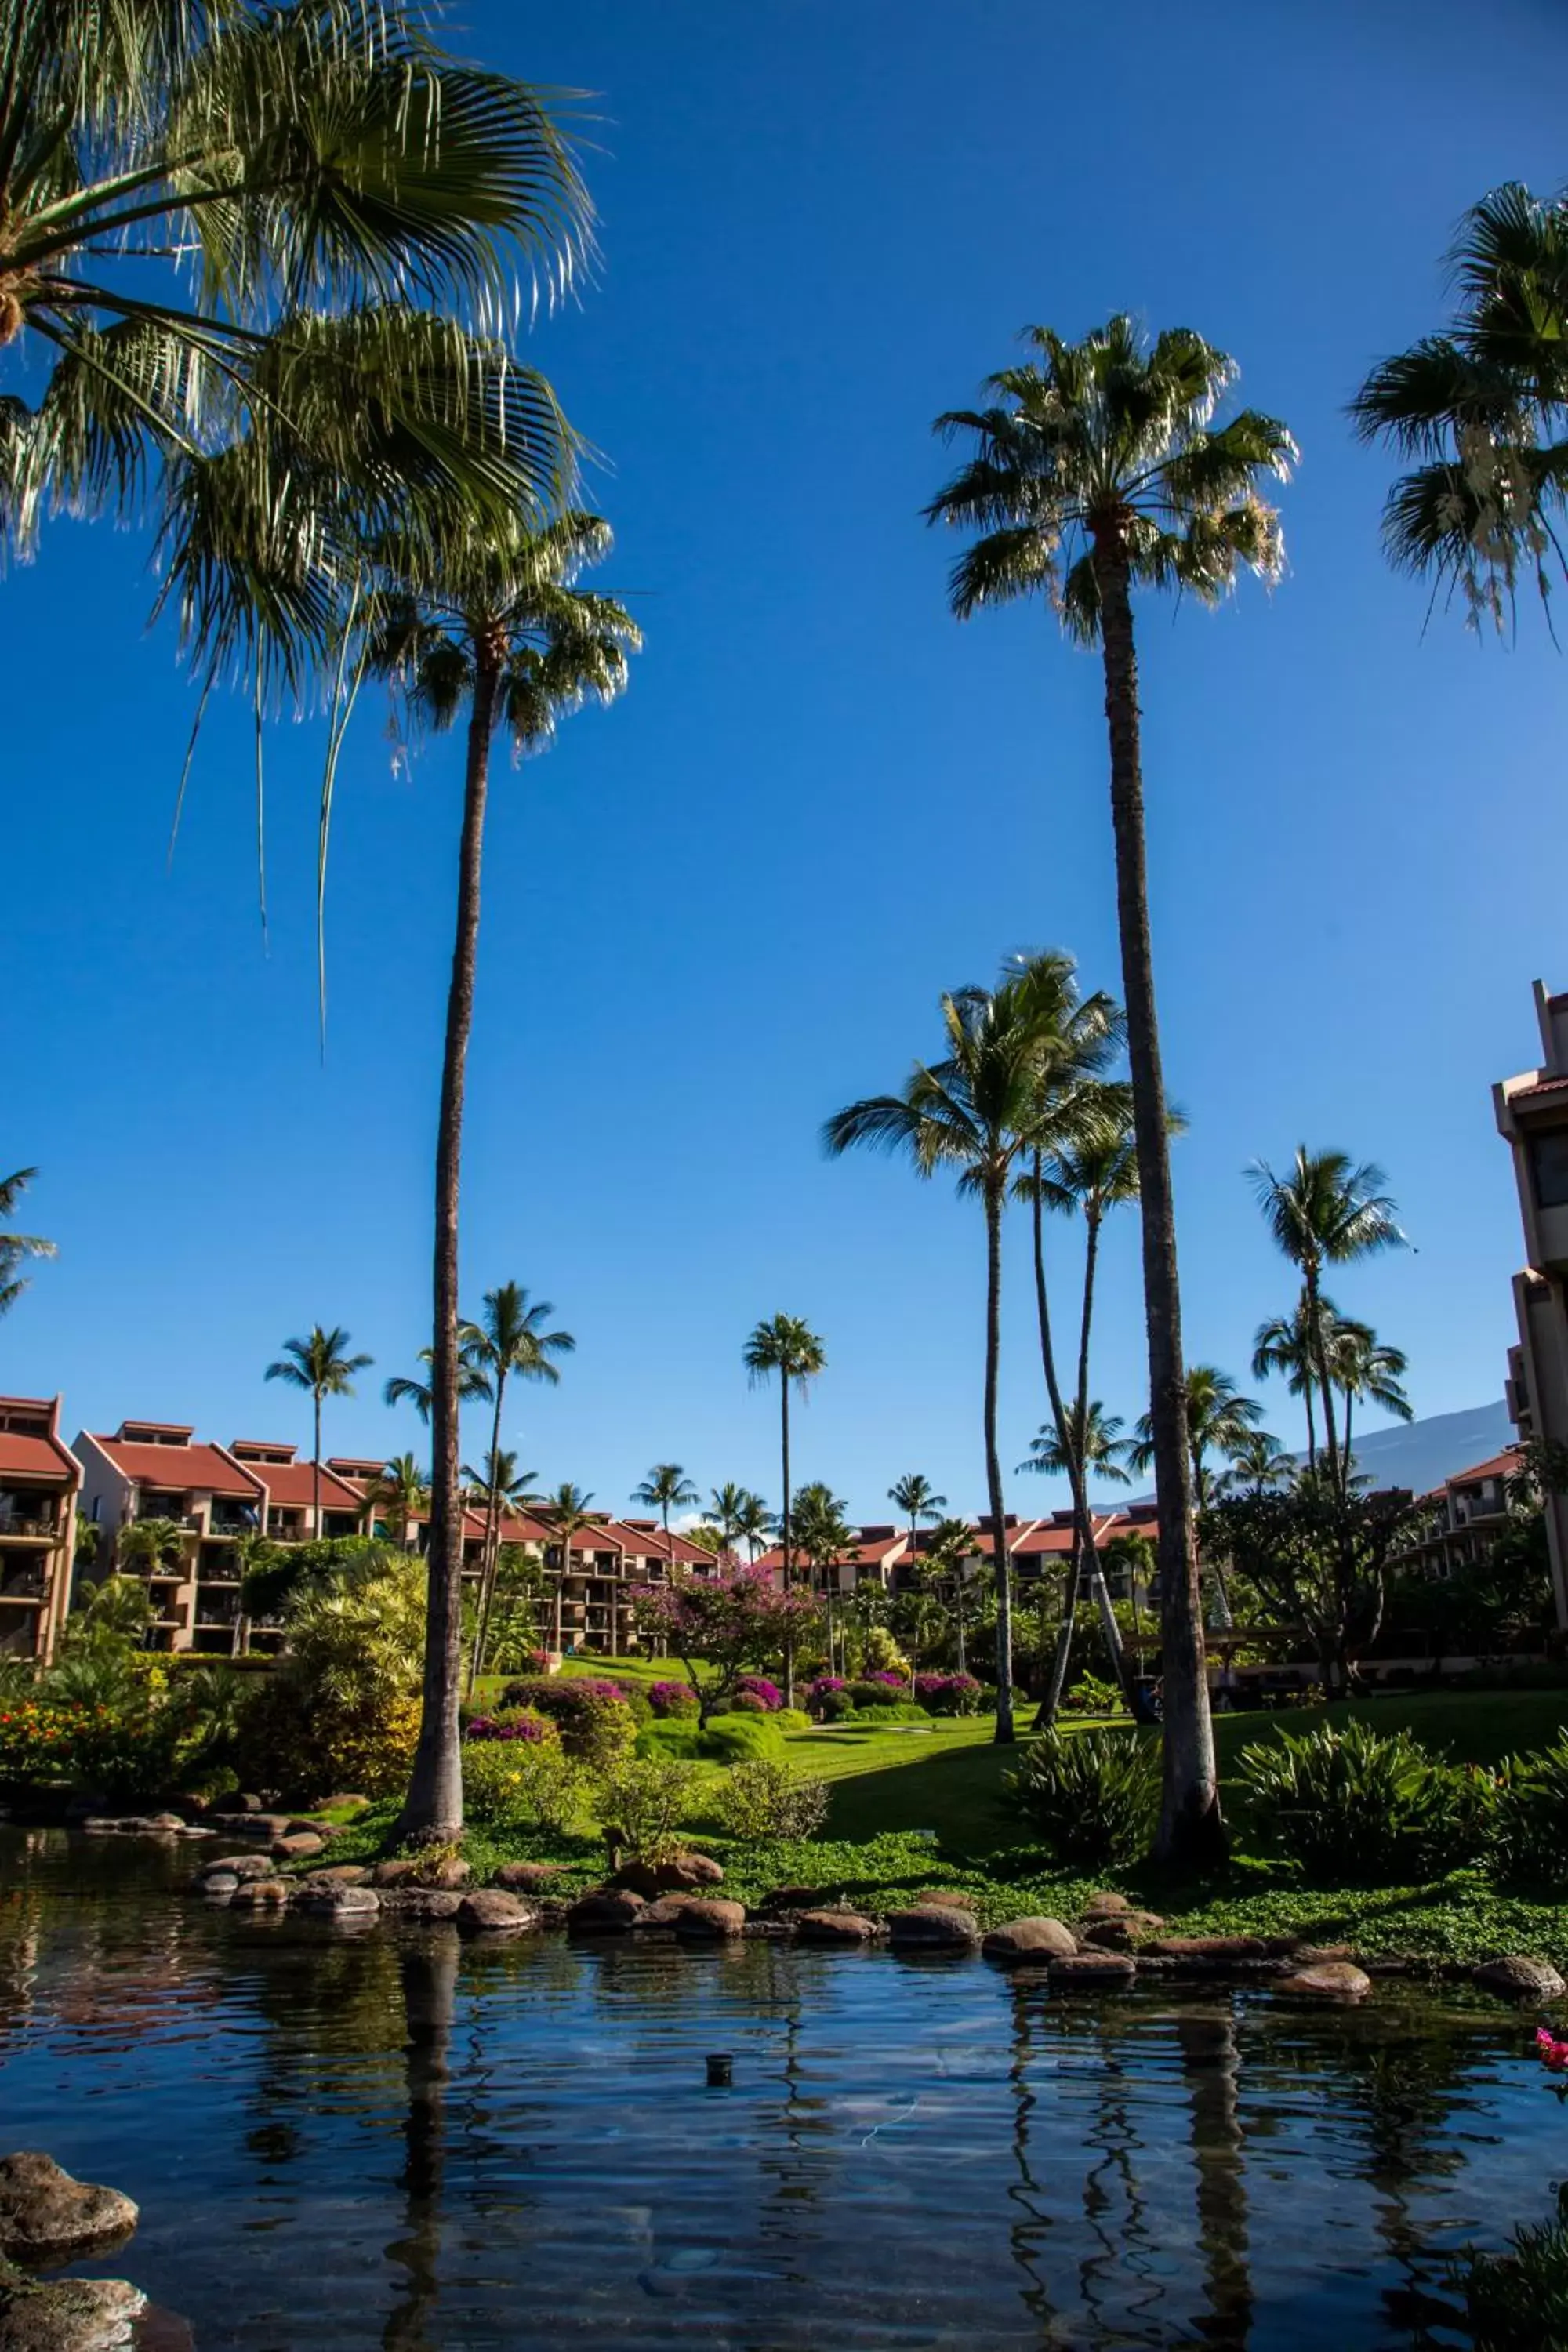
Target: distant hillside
(1421, 1453)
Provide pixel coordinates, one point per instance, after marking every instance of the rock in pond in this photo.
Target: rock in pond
(1093, 1971)
(262, 1893)
(834, 1928)
(422, 1902)
(1220, 1948)
(337, 1874)
(1030, 1940)
(298, 1846)
(681, 1875)
(236, 1865)
(610, 1912)
(66, 2315)
(1517, 1978)
(932, 1928)
(528, 1878)
(44, 2213)
(1121, 1931)
(708, 1919)
(1327, 1980)
(491, 1911)
(336, 1902)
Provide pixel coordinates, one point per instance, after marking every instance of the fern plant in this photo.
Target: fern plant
(1093, 1795)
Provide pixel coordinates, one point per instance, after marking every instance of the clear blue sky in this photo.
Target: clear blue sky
(719, 911)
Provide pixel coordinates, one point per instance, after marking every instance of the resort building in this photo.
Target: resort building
(304, 1499)
(1533, 1118)
(39, 1482)
(151, 1470)
(1469, 1512)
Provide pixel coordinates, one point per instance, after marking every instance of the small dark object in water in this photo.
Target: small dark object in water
(721, 2070)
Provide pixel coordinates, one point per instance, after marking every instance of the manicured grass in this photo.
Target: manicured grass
(1469, 1726)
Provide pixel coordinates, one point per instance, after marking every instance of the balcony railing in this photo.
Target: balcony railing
(189, 1520)
(43, 1529)
(26, 1589)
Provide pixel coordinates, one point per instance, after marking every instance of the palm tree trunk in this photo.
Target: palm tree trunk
(1315, 1341)
(1005, 1729)
(493, 1541)
(1311, 1419)
(1191, 1828)
(316, 1475)
(785, 1539)
(1046, 1714)
(433, 1805)
(1111, 1631)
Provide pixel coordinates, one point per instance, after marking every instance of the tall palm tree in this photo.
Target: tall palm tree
(1096, 1441)
(1258, 1463)
(826, 1537)
(1091, 1445)
(948, 1547)
(201, 205)
(400, 1494)
(971, 1112)
(786, 1346)
(13, 1246)
(1482, 410)
(1325, 1210)
(726, 1509)
(754, 1523)
(504, 634)
(916, 1498)
(666, 1488)
(509, 1341)
(1220, 1420)
(321, 1365)
(1097, 469)
(568, 1513)
(1286, 1345)
(473, 1385)
(497, 1472)
(1366, 1371)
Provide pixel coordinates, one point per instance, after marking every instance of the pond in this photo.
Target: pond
(390, 2139)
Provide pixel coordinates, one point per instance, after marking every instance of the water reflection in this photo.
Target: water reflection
(397, 2140)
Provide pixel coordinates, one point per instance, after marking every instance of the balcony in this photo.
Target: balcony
(230, 1524)
(169, 1507)
(29, 1517)
(25, 1587)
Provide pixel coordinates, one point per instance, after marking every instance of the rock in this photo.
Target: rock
(337, 1874)
(296, 1846)
(336, 1902)
(663, 1912)
(792, 1898)
(527, 1877)
(68, 2314)
(308, 1825)
(1220, 1948)
(608, 1912)
(238, 1865)
(392, 1874)
(173, 1823)
(260, 1825)
(834, 1928)
(491, 1911)
(679, 1875)
(708, 1919)
(217, 1885)
(1328, 1980)
(932, 1928)
(1083, 1971)
(944, 1897)
(1030, 1940)
(45, 2214)
(1103, 1906)
(262, 1893)
(1121, 1931)
(1519, 1979)
(448, 1873)
(421, 1902)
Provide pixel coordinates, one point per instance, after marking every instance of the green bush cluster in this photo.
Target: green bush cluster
(1358, 1804)
(764, 1800)
(1092, 1796)
(597, 1724)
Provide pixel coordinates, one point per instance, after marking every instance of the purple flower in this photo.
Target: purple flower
(516, 1726)
(768, 1695)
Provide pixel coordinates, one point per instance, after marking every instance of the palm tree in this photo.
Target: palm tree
(1325, 1210)
(1258, 1463)
(1285, 1344)
(788, 1347)
(503, 633)
(726, 1508)
(666, 1488)
(1483, 410)
(1097, 469)
(568, 1513)
(915, 1497)
(473, 1385)
(754, 1523)
(1365, 1369)
(1091, 1444)
(509, 1340)
(949, 1547)
(971, 1112)
(1220, 1420)
(14, 1247)
(204, 207)
(145, 1547)
(497, 1473)
(826, 1537)
(321, 1365)
(1096, 1441)
(400, 1494)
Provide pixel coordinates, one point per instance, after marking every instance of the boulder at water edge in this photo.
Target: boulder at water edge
(528, 1878)
(932, 1928)
(1030, 1940)
(1121, 1931)
(834, 1928)
(335, 1902)
(1328, 1980)
(608, 1913)
(491, 1911)
(1093, 1971)
(422, 1902)
(1103, 1906)
(708, 1920)
(45, 2214)
(66, 2315)
(681, 1875)
(1518, 1978)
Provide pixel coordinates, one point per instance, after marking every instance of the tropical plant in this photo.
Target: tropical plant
(825, 1534)
(754, 1523)
(501, 633)
(1317, 1556)
(1366, 1370)
(1518, 2301)
(340, 1708)
(1532, 1815)
(509, 1341)
(1325, 1210)
(1097, 469)
(1482, 410)
(400, 1496)
(786, 1347)
(1094, 1439)
(473, 1385)
(497, 1485)
(1357, 1803)
(640, 1801)
(143, 1550)
(519, 1586)
(1092, 1795)
(727, 1508)
(320, 1365)
(594, 1717)
(764, 1800)
(15, 1246)
(523, 1784)
(944, 1564)
(1257, 1462)
(1286, 1345)
(1220, 1420)
(971, 1113)
(568, 1514)
(915, 1497)
(666, 1488)
(721, 1626)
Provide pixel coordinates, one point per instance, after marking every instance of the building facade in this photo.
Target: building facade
(1531, 1113)
(154, 1470)
(40, 1479)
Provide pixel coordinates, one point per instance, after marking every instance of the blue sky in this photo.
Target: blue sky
(727, 907)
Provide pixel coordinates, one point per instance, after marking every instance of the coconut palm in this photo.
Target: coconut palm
(1285, 1345)
(473, 1385)
(1258, 1463)
(1482, 410)
(400, 1496)
(1366, 1371)
(509, 1341)
(828, 1539)
(788, 1347)
(1097, 469)
(950, 1547)
(144, 1549)
(754, 1523)
(1096, 1441)
(13, 1246)
(502, 636)
(568, 1514)
(320, 1365)
(726, 1508)
(971, 1112)
(1091, 1445)
(666, 1488)
(1220, 1420)
(203, 206)
(1325, 1210)
(915, 1495)
(497, 1473)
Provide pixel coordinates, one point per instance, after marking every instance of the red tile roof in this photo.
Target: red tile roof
(292, 1485)
(33, 1458)
(1540, 1087)
(179, 1469)
(1497, 1465)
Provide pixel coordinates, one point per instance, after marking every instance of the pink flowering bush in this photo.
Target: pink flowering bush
(672, 1699)
(948, 1694)
(596, 1722)
(520, 1726)
(1552, 2053)
(891, 1677)
(767, 1695)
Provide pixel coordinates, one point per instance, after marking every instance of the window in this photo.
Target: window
(1549, 1168)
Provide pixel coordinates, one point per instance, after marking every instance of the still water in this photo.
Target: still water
(391, 2139)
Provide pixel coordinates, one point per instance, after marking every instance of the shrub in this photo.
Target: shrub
(1532, 1814)
(1093, 1796)
(764, 1800)
(595, 1724)
(307, 1743)
(730, 1738)
(528, 1783)
(875, 1691)
(644, 1797)
(672, 1699)
(1518, 2301)
(523, 1724)
(767, 1695)
(1090, 1696)
(880, 1652)
(886, 1711)
(1361, 1804)
(748, 1702)
(948, 1694)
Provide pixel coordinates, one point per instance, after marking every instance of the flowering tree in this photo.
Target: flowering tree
(719, 1626)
